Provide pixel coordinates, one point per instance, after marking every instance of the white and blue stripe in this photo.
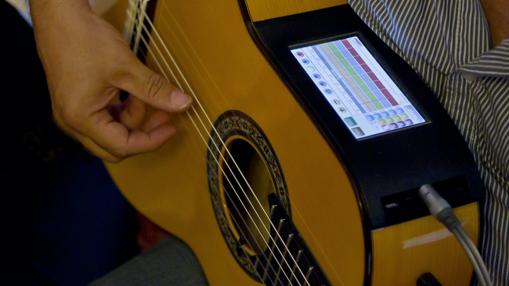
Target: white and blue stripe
(448, 43)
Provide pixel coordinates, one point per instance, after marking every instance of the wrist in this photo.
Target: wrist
(49, 15)
(55, 24)
(56, 8)
(57, 2)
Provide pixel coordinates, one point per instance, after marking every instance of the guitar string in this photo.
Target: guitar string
(231, 200)
(283, 256)
(245, 180)
(166, 21)
(227, 178)
(266, 271)
(165, 7)
(277, 233)
(214, 130)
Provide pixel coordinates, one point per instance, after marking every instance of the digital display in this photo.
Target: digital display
(363, 95)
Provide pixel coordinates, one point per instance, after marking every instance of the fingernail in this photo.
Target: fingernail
(180, 100)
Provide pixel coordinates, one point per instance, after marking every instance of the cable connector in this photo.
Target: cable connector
(444, 213)
(438, 207)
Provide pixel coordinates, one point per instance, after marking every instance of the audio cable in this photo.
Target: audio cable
(444, 213)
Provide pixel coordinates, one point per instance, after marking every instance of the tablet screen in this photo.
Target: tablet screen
(361, 92)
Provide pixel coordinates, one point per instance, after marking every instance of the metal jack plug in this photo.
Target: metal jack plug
(444, 213)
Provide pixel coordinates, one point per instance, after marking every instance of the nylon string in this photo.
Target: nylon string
(154, 43)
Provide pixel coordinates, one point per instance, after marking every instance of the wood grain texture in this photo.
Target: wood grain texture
(227, 71)
(405, 251)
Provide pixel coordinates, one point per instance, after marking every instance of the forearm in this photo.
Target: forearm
(56, 27)
(43, 8)
(50, 10)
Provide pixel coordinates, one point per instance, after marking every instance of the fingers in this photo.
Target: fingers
(114, 137)
(88, 143)
(133, 114)
(97, 150)
(86, 77)
(155, 119)
(113, 140)
(153, 89)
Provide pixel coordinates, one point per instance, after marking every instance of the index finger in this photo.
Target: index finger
(122, 142)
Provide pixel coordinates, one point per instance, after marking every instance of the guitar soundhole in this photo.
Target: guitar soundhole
(247, 184)
(243, 172)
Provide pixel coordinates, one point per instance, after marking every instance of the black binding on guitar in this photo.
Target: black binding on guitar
(385, 171)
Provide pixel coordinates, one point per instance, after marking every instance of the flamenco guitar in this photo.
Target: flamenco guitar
(298, 163)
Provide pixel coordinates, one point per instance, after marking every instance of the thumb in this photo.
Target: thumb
(153, 89)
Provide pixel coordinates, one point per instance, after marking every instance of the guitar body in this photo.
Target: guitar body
(228, 72)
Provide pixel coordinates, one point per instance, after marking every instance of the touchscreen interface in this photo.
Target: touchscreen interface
(363, 95)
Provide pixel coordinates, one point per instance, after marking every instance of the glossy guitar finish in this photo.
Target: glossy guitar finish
(228, 72)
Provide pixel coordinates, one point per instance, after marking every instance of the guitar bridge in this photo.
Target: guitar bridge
(287, 259)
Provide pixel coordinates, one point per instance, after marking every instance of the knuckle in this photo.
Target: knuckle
(112, 159)
(120, 71)
(154, 84)
(120, 152)
(70, 116)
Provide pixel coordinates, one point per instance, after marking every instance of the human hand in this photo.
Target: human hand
(87, 65)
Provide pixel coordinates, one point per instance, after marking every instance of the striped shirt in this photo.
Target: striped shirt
(448, 43)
